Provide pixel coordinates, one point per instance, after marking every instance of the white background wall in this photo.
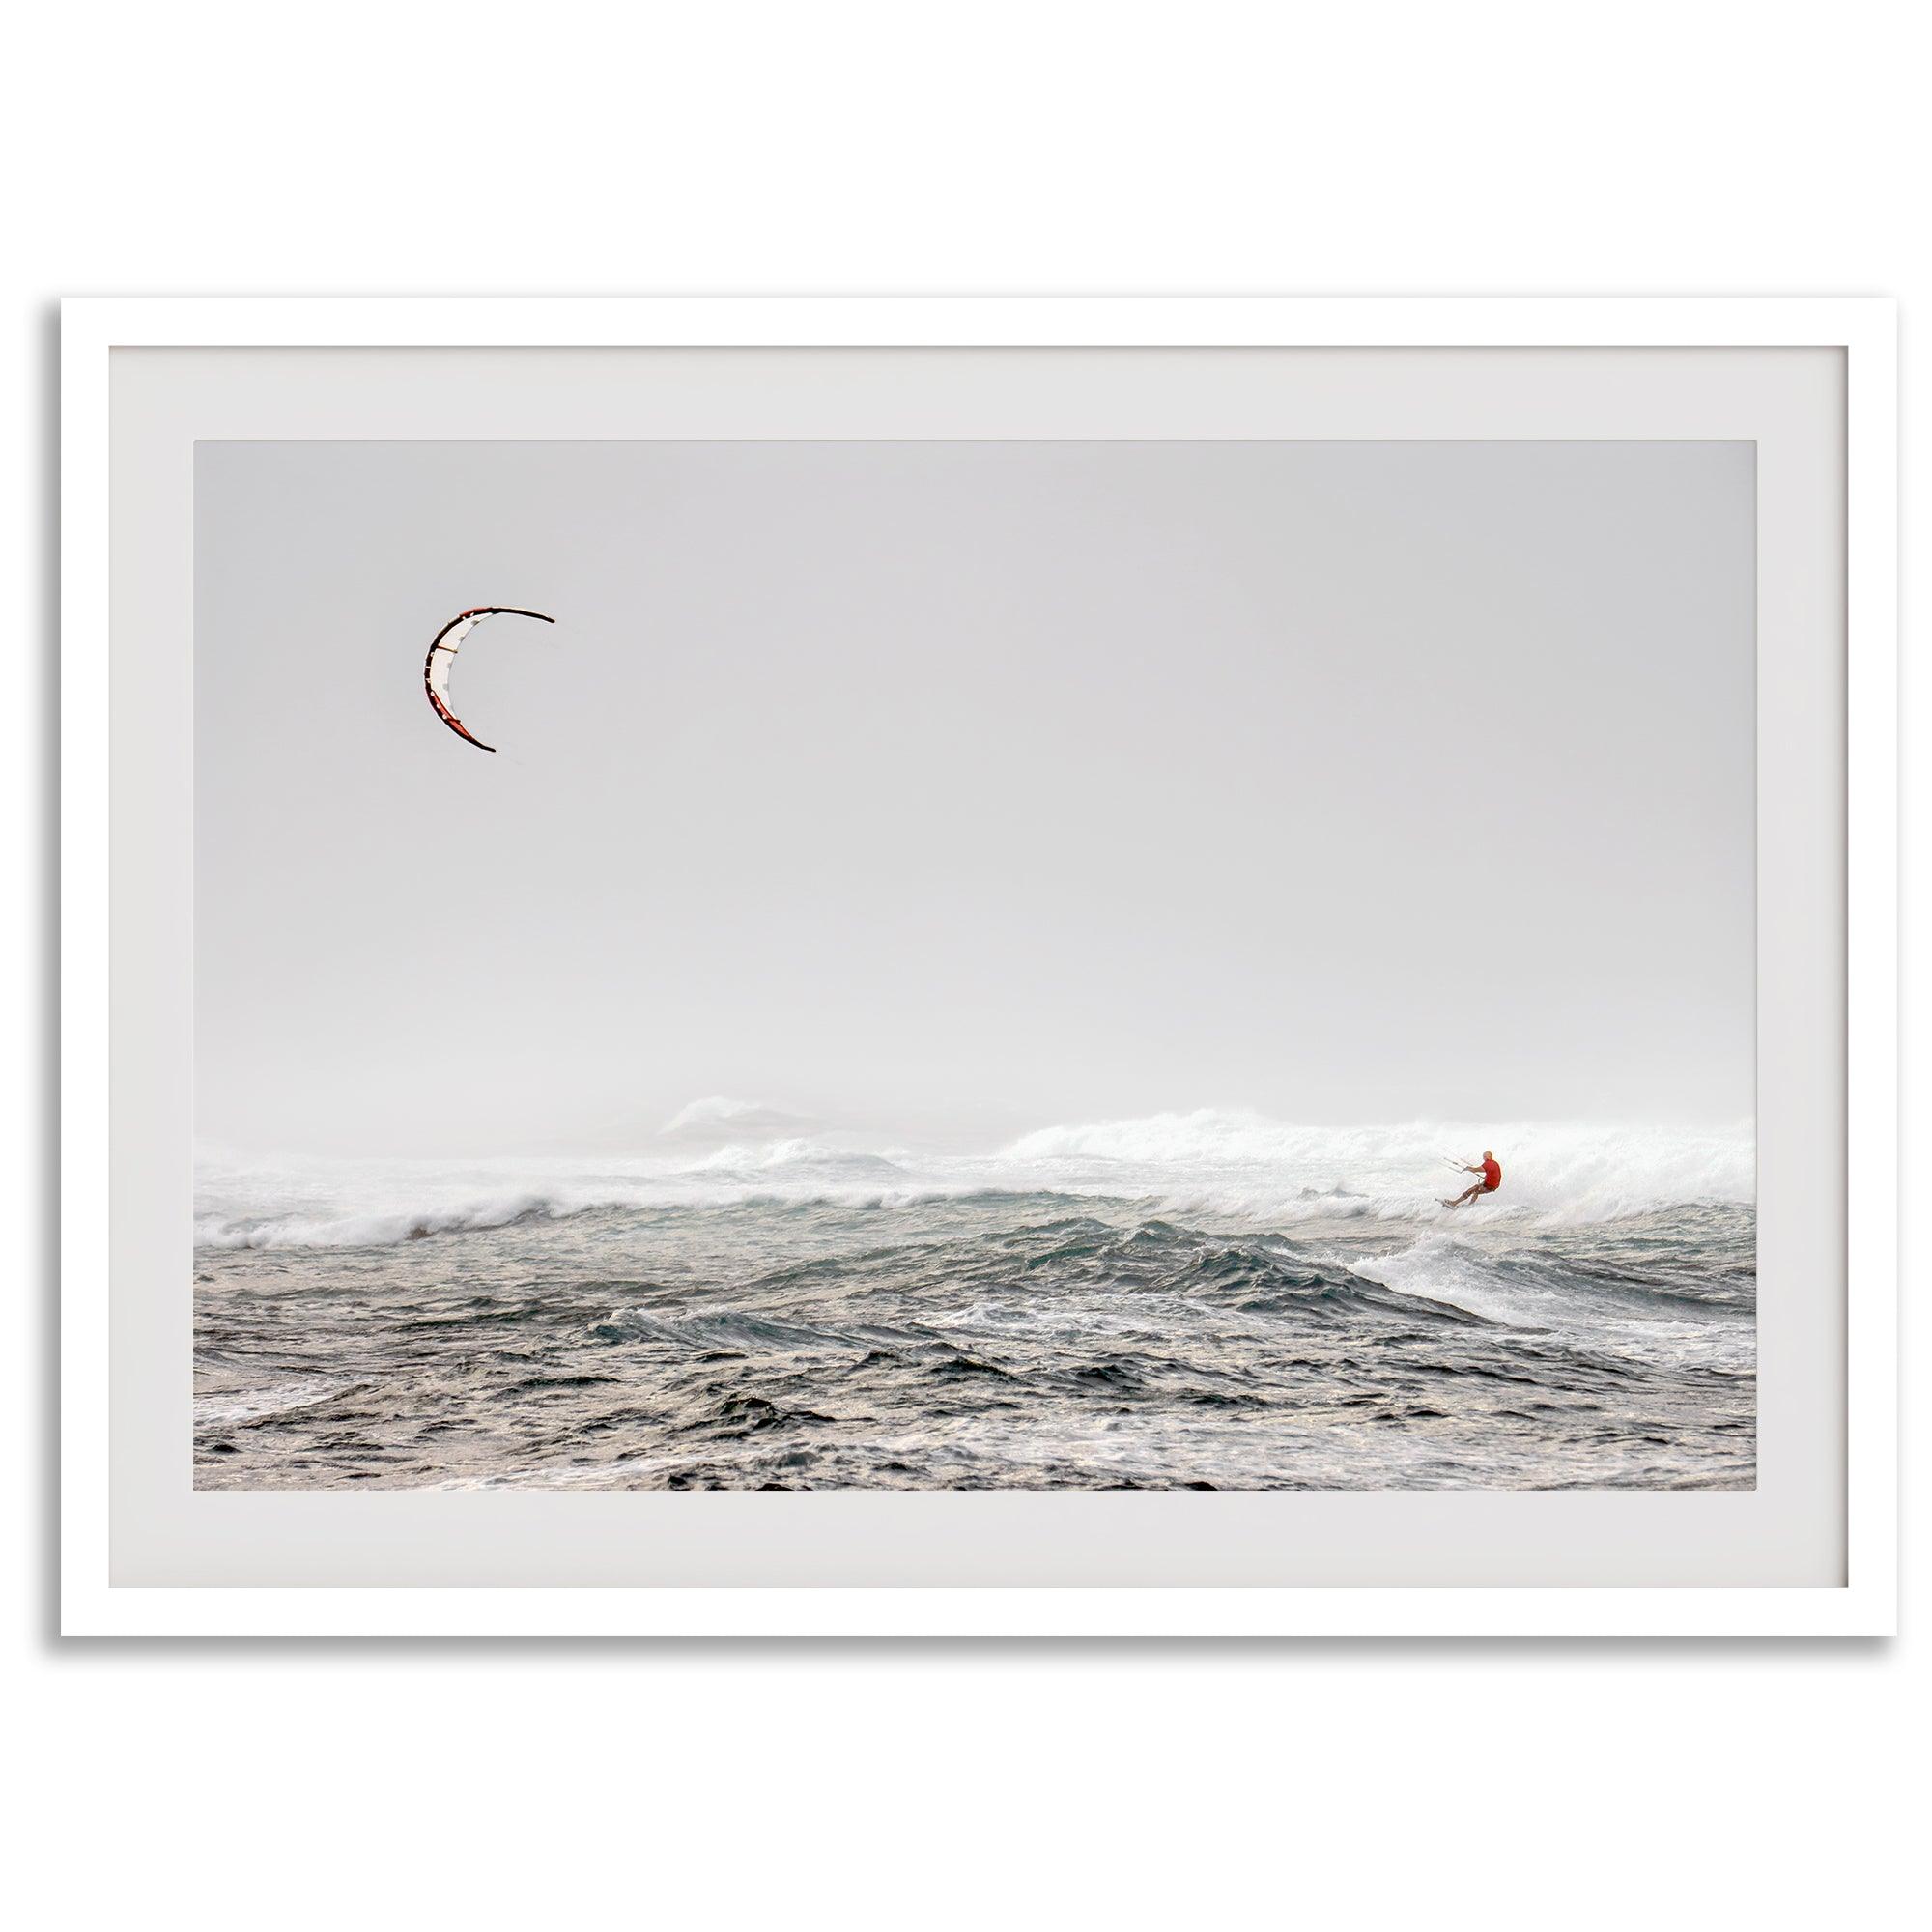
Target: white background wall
(402, 148)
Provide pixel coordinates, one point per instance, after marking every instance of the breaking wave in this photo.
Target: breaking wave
(1227, 1167)
(1246, 1164)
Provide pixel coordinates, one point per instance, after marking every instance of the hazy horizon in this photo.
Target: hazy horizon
(971, 788)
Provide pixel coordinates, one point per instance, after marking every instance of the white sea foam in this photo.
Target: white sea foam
(1246, 1165)
(223, 1408)
(1224, 1166)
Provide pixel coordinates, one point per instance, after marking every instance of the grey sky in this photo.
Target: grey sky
(974, 785)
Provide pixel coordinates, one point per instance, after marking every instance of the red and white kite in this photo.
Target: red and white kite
(443, 655)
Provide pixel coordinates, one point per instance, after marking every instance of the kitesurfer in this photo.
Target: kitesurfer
(1489, 1171)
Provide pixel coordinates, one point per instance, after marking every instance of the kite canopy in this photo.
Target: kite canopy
(443, 657)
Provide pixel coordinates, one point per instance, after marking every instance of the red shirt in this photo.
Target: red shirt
(1492, 1175)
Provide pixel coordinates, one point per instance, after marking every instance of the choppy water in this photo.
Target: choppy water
(1194, 1300)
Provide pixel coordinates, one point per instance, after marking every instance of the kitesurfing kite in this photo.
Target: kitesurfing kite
(443, 655)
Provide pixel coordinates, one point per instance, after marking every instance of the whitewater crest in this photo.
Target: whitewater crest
(1241, 1162)
(1208, 1165)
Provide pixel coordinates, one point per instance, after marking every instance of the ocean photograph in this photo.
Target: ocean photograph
(1219, 966)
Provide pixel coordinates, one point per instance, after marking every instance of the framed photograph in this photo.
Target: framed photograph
(978, 967)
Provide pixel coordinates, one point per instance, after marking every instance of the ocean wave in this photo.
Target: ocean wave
(1206, 1166)
(223, 1408)
(710, 1329)
(1551, 1280)
(1245, 1164)
(353, 1230)
(796, 1155)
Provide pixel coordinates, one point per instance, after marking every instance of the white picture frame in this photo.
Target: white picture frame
(1863, 1603)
